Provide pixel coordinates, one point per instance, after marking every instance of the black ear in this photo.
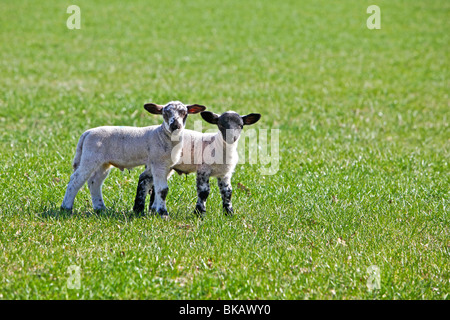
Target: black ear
(195, 108)
(251, 118)
(210, 117)
(153, 108)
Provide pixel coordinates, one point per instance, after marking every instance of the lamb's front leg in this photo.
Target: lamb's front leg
(202, 192)
(152, 192)
(145, 184)
(161, 189)
(152, 197)
(226, 191)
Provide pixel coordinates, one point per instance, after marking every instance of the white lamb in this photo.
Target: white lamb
(101, 148)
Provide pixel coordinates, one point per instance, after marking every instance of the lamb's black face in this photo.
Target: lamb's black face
(230, 125)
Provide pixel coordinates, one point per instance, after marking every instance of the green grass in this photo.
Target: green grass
(364, 149)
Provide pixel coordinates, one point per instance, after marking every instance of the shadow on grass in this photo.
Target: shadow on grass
(56, 213)
(53, 212)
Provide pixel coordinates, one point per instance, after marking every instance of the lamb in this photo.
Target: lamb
(100, 149)
(209, 155)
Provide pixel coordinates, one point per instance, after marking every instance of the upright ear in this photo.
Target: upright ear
(251, 118)
(153, 108)
(210, 117)
(195, 108)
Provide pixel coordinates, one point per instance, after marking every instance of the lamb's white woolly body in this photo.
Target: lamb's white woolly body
(125, 147)
(101, 148)
(207, 152)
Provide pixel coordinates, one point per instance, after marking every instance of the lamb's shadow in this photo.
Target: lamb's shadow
(55, 213)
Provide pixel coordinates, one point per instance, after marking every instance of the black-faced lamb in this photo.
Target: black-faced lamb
(209, 155)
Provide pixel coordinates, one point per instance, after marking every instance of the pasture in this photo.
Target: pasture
(363, 177)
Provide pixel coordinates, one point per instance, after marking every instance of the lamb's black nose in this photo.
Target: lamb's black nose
(175, 126)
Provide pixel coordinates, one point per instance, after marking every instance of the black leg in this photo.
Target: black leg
(144, 185)
(202, 192)
(226, 191)
(152, 197)
(160, 175)
(163, 194)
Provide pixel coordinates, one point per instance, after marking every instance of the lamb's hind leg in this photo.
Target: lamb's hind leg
(77, 180)
(95, 183)
(145, 185)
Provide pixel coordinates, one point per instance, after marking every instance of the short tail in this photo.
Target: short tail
(79, 151)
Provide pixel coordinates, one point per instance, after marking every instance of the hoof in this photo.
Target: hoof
(138, 209)
(200, 211)
(200, 214)
(163, 214)
(229, 212)
(65, 210)
(99, 210)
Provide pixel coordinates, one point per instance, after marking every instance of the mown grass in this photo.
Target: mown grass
(364, 148)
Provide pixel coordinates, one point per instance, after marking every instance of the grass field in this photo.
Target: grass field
(364, 149)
